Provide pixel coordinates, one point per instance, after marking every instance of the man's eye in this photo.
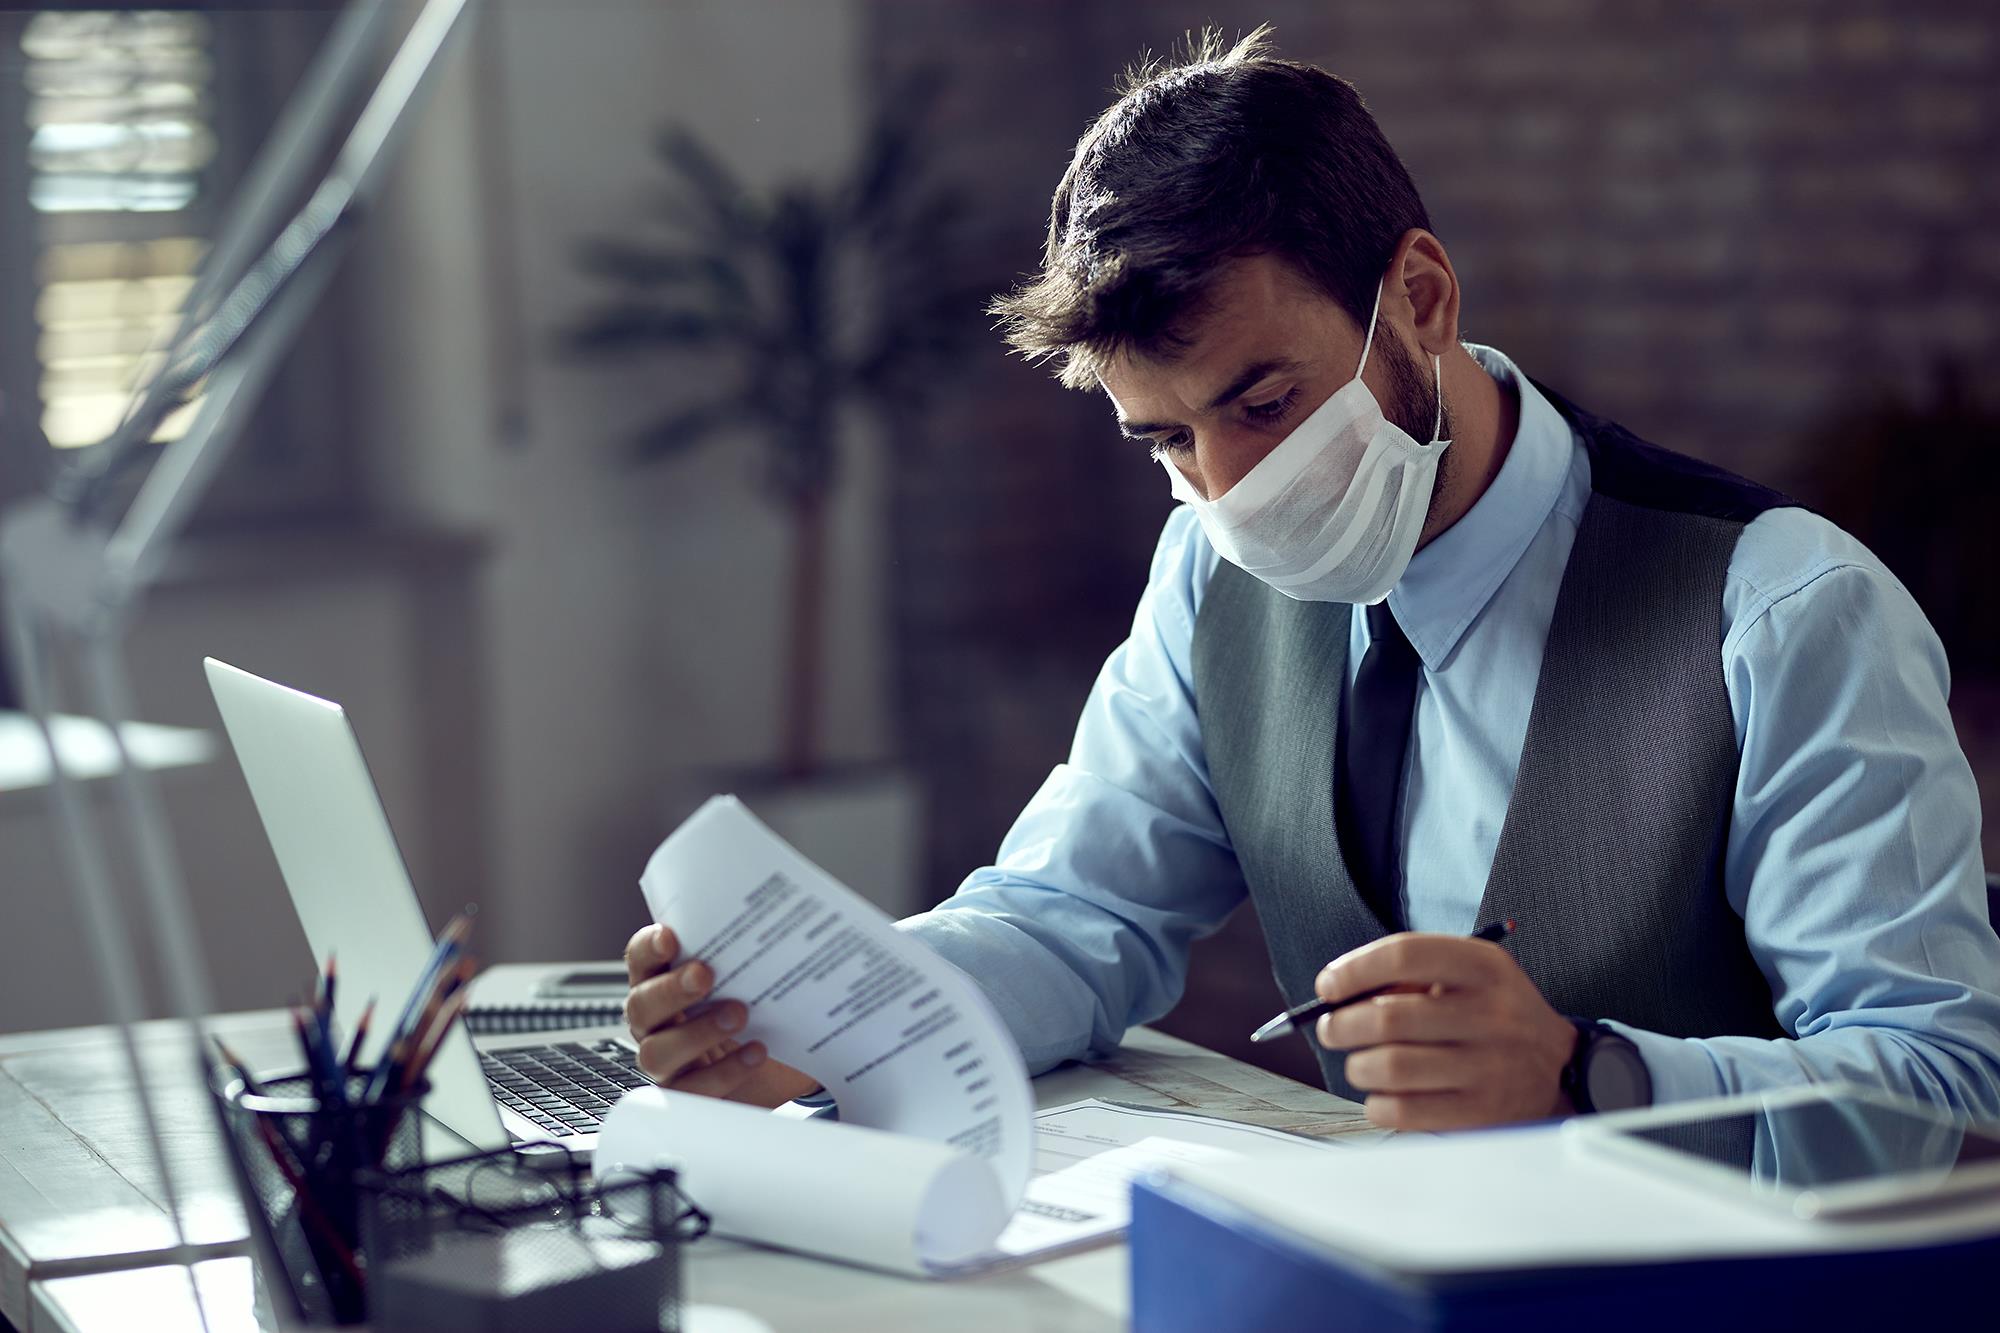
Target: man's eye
(1173, 445)
(1273, 410)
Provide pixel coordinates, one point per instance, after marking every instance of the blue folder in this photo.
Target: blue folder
(1201, 1264)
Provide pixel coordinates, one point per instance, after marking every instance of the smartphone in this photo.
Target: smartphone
(584, 983)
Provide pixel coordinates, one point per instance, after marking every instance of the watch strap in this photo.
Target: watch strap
(1591, 1037)
(1572, 1082)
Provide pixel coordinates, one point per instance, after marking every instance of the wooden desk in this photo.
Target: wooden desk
(82, 1228)
(78, 1189)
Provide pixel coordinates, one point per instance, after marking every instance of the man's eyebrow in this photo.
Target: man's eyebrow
(1242, 384)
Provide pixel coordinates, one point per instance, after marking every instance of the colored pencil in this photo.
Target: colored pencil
(413, 1076)
(360, 1036)
(450, 941)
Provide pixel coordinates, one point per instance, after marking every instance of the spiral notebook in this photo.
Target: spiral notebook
(546, 997)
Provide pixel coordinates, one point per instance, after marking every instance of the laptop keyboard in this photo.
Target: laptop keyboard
(565, 1088)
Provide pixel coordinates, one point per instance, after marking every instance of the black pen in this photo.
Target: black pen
(1303, 1017)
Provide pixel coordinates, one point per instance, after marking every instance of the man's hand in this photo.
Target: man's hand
(696, 1054)
(1466, 1040)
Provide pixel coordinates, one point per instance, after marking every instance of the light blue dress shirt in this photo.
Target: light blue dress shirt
(1853, 854)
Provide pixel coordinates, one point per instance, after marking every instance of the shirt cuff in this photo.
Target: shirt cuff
(1680, 1066)
(820, 1103)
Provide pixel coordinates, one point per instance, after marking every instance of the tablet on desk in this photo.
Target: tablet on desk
(1829, 1151)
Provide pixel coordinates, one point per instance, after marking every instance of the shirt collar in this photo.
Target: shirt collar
(1450, 581)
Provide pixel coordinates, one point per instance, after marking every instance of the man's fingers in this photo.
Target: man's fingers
(725, 1075)
(651, 949)
(716, 1053)
(1412, 960)
(1405, 1016)
(673, 1051)
(638, 954)
(1406, 1068)
(657, 1001)
(1424, 1110)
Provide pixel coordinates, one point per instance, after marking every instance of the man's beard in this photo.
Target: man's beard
(1413, 405)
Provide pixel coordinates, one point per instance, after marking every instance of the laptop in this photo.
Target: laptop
(354, 898)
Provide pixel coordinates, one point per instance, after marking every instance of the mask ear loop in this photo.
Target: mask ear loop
(1370, 340)
(1437, 387)
(1437, 363)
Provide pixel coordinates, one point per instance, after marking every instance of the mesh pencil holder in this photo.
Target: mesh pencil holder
(560, 1249)
(302, 1163)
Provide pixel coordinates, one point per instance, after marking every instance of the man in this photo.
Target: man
(1427, 646)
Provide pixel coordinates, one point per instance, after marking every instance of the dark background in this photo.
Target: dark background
(1755, 233)
(1760, 234)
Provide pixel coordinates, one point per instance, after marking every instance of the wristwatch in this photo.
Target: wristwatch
(1605, 1071)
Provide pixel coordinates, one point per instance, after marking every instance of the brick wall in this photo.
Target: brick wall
(1733, 226)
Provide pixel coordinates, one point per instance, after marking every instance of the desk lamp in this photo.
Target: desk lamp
(75, 566)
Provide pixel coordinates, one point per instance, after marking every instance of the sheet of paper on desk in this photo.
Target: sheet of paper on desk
(890, 1201)
(904, 1041)
(910, 1205)
(906, 1044)
(1087, 1154)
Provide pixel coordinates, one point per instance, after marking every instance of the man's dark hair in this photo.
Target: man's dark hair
(1224, 152)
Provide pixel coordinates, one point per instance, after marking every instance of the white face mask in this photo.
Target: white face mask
(1333, 513)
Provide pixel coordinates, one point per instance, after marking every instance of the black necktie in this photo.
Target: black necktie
(1372, 742)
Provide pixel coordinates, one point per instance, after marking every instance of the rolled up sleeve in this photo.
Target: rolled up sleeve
(1081, 926)
(1854, 856)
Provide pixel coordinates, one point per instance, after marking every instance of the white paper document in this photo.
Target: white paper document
(905, 1042)
(911, 1205)
(928, 1169)
(1087, 1154)
(890, 1201)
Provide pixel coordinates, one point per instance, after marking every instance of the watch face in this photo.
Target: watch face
(1615, 1076)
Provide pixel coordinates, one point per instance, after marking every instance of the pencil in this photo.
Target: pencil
(265, 1238)
(237, 1067)
(1303, 1016)
(328, 1086)
(450, 941)
(309, 1204)
(360, 1035)
(413, 1073)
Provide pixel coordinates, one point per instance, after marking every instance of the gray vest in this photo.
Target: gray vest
(1611, 852)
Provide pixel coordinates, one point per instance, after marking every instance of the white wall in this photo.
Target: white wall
(620, 645)
(631, 618)
(351, 633)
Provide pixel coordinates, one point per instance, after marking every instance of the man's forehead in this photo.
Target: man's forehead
(1258, 318)
(1247, 294)
(1200, 385)
(1249, 297)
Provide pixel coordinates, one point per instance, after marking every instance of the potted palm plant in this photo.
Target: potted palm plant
(815, 300)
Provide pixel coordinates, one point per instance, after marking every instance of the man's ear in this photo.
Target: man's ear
(1421, 276)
